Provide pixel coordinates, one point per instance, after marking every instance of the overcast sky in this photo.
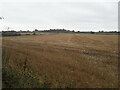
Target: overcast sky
(68, 14)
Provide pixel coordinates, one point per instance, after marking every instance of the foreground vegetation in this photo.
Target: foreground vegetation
(60, 61)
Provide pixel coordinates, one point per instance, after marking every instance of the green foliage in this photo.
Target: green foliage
(17, 78)
(14, 79)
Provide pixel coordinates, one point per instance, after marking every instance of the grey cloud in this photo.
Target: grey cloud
(71, 15)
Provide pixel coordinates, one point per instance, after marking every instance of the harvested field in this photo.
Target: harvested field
(61, 61)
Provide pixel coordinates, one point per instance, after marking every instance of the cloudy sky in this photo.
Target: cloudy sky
(78, 15)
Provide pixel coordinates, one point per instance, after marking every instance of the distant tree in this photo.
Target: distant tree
(28, 31)
(73, 31)
(36, 30)
(92, 32)
(34, 33)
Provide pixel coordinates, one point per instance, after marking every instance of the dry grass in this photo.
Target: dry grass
(65, 60)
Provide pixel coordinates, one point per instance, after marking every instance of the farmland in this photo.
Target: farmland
(60, 61)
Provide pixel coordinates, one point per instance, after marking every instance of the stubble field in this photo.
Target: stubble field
(60, 61)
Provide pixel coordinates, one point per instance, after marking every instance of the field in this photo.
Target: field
(60, 61)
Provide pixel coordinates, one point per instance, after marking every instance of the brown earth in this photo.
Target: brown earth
(66, 60)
